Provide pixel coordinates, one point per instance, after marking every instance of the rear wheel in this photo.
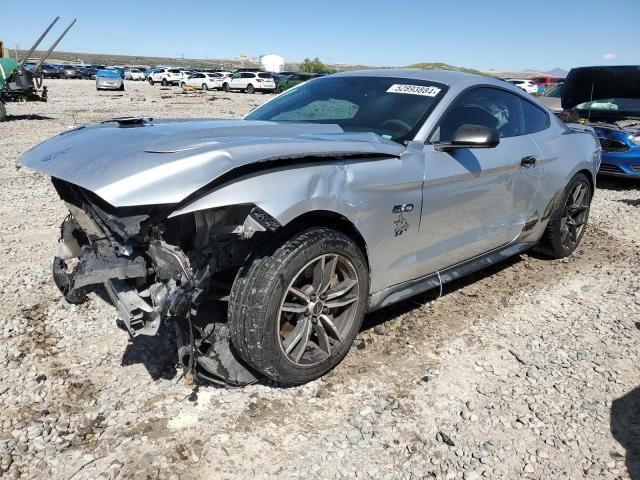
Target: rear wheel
(122, 88)
(183, 84)
(250, 89)
(164, 82)
(568, 219)
(204, 86)
(293, 314)
(151, 82)
(225, 86)
(3, 112)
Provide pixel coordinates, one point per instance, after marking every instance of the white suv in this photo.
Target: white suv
(528, 86)
(251, 82)
(165, 76)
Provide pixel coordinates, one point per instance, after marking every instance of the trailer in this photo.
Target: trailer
(21, 84)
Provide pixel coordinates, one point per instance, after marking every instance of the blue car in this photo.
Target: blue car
(608, 99)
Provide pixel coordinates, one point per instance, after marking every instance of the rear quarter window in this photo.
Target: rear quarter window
(535, 119)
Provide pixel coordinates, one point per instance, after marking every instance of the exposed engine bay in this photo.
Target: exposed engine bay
(154, 267)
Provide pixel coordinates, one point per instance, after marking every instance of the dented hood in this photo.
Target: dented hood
(131, 162)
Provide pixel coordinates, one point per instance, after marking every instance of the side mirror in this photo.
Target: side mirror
(471, 136)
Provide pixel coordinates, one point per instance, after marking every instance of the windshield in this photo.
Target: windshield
(554, 92)
(108, 73)
(394, 108)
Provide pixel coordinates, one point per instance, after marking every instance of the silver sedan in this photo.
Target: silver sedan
(266, 240)
(109, 80)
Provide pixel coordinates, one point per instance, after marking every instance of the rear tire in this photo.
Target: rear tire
(225, 87)
(320, 272)
(204, 87)
(250, 89)
(164, 82)
(3, 112)
(568, 219)
(151, 82)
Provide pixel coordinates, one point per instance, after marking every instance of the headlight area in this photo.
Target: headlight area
(165, 270)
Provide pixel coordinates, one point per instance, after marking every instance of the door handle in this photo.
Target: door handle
(528, 161)
(407, 207)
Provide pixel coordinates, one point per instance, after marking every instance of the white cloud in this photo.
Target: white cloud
(609, 56)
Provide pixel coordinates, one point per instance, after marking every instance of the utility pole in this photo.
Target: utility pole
(17, 45)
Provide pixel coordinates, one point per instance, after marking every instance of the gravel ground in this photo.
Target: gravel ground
(529, 370)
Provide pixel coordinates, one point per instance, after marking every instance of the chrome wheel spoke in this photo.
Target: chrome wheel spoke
(341, 302)
(328, 273)
(294, 308)
(295, 335)
(318, 271)
(299, 350)
(342, 288)
(299, 293)
(323, 338)
(330, 327)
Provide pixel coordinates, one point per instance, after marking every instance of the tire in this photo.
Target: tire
(568, 219)
(151, 82)
(280, 90)
(164, 82)
(204, 87)
(256, 317)
(121, 88)
(225, 86)
(183, 84)
(3, 112)
(250, 89)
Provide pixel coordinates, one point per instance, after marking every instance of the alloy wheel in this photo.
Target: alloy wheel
(318, 309)
(574, 215)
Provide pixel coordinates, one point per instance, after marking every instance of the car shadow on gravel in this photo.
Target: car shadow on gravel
(617, 183)
(13, 118)
(625, 428)
(389, 313)
(158, 353)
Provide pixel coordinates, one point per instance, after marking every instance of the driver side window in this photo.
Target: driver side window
(485, 106)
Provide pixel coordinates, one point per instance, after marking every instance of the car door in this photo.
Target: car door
(469, 195)
(236, 81)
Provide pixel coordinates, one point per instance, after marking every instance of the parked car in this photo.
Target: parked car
(250, 82)
(108, 79)
(608, 99)
(69, 71)
(165, 76)
(87, 73)
(133, 74)
(547, 80)
(552, 98)
(49, 71)
(278, 232)
(293, 80)
(204, 81)
(528, 86)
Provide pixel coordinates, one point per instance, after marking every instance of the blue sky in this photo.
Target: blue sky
(483, 34)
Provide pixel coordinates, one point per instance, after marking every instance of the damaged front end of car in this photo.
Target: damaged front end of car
(155, 268)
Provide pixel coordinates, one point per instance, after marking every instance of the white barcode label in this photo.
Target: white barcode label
(414, 90)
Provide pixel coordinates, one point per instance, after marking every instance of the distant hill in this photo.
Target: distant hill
(445, 66)
(558, 72)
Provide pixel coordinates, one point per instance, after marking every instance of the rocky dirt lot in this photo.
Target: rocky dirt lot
(529, 370)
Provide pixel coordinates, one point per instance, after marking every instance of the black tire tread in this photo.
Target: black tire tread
(250, 294)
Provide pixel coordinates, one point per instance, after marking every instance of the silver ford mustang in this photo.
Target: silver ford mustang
(266, 240)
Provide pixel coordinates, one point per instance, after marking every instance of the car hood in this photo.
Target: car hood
(596, 83)
(129, 162)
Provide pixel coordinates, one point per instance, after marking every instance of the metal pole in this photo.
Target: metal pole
(35, 45)
(55, 44)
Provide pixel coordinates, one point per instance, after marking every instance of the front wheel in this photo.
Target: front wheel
(205, 87)
(151, 82)
(568, 219)
(294, 314)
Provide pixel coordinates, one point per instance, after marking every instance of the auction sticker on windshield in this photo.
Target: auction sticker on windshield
(414, 90)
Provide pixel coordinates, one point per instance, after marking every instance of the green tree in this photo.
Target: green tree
(313, 66)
